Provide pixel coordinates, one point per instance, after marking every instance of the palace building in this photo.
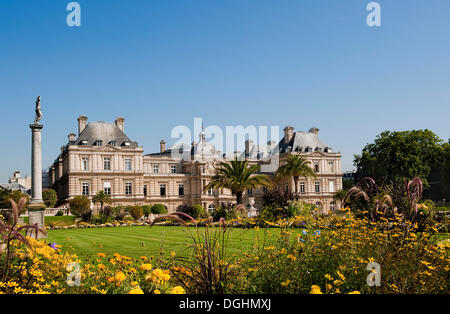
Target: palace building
(103, 158)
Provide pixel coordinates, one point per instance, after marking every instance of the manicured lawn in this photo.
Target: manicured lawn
(67, 220)
(141, 241)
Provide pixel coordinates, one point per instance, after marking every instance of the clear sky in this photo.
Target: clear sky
(161, 63)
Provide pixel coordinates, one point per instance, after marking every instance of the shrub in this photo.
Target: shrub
(292, 209)
(159, 209)
(147, 209)
(59, 213)
(118, 212)
(223, 212)
(136, 212)
(80, 206)
(50, 198)
(195, 211)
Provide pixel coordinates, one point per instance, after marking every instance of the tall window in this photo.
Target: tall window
(85, 163)
(155, 169)
(330, 166)
(85, 189)
(107, 188)
(180, 189)
(302, 187)
(162, 189)
(128, 164)
(107, 163)
(173, 169)
(317, 187)
(250, 192)
(210, 191)
(331, 185)
(128, 188)
(145, 190)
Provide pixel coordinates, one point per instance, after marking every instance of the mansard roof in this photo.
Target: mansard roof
(304, 142)
(106, 132)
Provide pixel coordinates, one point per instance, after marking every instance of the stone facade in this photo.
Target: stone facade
(103, 158)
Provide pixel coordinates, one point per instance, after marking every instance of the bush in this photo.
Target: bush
(223, 212)
(136, 212)
(80, 206)
(147, 209)
(197, 211)
(50, 198)
(118, 212)
(59, 213)
(292, 209)
(159, 209)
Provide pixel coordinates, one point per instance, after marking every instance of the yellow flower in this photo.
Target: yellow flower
(136, 290)
(101, 255)
(119, 277)
(157, 291)
(176, 290)
(354, 292)
(315, 290)
(145, 267)
(172, 254)
(285, 283)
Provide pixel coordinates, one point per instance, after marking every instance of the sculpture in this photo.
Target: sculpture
(38, 110)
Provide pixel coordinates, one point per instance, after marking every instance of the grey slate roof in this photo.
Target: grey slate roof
(303, 142)
(14, 186)
(105, 132)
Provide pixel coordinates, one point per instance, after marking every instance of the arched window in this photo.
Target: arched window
(211, 207)
(319, 205)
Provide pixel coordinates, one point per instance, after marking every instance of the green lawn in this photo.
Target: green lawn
(67, 220)
(141, 241)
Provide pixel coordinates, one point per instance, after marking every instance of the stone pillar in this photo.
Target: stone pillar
(36, 206)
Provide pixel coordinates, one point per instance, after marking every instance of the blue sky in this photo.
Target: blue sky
(160, 63)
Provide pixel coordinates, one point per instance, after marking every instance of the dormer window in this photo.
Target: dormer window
(126, 144)
(84, 143)
(112, 143)
(98, 143)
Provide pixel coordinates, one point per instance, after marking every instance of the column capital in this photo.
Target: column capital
(36, 126)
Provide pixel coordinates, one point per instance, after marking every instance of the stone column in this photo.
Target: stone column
(36, 206)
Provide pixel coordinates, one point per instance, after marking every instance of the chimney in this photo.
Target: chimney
(288, 134)
(314, 130)
(162, 146)
(248, 147)
(82, 122)
(72, 137)
(120, 123)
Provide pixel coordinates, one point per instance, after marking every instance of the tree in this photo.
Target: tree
(340, 196)
(159, 209)
(102, 198)
(50, 197)
(80, 206)
(295, 167)
(238, 176)
(7, 195)
(135, 211)
(396, 157)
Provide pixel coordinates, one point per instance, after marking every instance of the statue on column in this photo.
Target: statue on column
(38, 110)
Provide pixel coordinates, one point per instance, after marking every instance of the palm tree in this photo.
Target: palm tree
(339, 195)
(238, 176)
(102, 198)
(295, 167)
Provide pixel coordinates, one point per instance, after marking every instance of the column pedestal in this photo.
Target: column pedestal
(36, 206)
